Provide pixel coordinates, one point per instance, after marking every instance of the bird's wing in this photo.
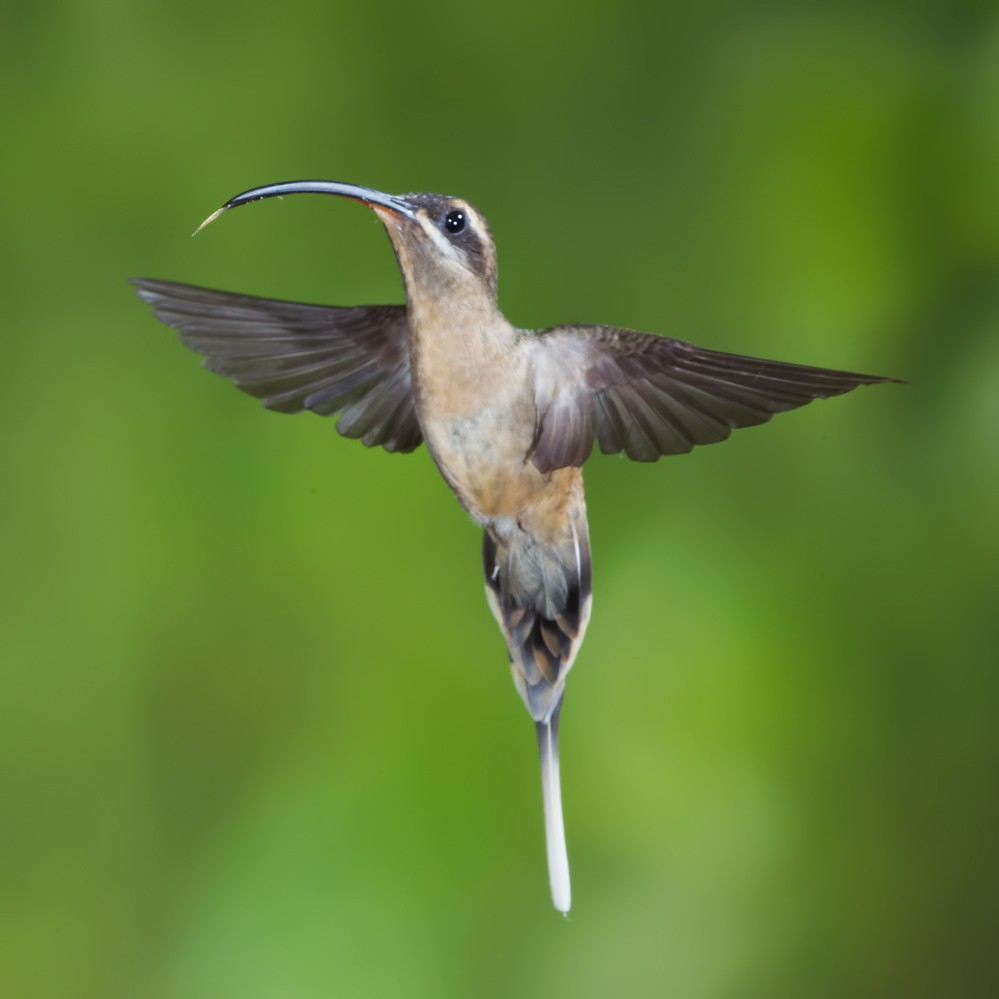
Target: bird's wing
(651, 395)
(325, 359)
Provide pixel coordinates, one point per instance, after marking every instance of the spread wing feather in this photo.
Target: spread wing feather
(652, 395)
(325, 359)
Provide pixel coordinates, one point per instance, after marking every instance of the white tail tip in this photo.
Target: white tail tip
(558, 858)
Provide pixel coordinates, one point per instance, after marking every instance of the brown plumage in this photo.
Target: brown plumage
(508, 415)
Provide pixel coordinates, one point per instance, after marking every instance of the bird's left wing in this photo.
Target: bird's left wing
(652, 395)
(324, 359)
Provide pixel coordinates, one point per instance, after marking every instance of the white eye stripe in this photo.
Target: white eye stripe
(445, 242)
(440, 240)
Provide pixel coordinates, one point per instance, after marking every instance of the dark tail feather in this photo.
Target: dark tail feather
(540, 596)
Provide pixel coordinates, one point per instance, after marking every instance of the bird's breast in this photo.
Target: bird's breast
(477, 411)
(482, 454)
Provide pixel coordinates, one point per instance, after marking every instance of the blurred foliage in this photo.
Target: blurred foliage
(257, 734)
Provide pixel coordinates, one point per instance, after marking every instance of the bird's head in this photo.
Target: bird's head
(443, 244)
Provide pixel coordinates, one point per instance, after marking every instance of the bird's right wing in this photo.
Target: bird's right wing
(651, 395)
(295, 357)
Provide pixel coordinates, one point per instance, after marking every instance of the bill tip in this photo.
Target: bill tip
(211, 218)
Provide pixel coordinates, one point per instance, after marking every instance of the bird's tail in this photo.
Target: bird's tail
(551, 788)
(539, 589)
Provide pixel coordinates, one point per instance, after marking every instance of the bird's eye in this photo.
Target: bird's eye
(454, 221)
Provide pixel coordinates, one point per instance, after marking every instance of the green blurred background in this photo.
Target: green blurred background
(257, 730)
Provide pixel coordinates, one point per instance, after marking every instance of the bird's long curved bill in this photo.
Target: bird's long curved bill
(365, 195)
(551, 786)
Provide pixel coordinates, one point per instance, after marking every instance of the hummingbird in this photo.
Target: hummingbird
(508, 415)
